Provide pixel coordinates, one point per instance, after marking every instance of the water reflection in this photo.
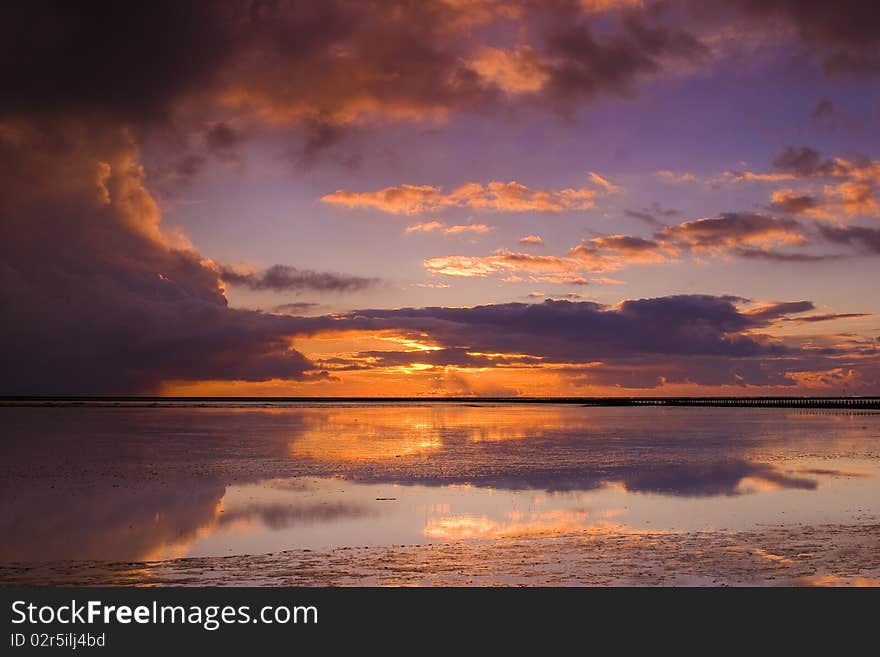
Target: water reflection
(136, 484)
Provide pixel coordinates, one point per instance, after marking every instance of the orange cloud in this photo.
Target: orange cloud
(853, 187)
(676, 177)
(604, 183)
(601, 6)
(856, 197)
(494, 196)
(752, 176)
(514, 71)
(424, 227)
(456, 229)
(500, 262)
(730, 233)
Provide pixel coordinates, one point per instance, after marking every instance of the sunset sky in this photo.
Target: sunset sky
(440, 197)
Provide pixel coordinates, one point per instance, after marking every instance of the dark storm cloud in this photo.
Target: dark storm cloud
(640, 343)
(321, 65)
(854, 23)
(283, 278)
(96, 298)
(113, 59)
(867, 239)
(584, 64)
(843, 34)
(566, 331)
(317, 65)
(279, 61)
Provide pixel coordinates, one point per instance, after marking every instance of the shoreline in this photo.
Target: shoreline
(823, 555)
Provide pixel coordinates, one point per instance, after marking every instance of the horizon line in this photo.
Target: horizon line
(611, 400)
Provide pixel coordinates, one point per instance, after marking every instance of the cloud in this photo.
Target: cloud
(458, 229)
(602, 6)
(775, 310)
(648, 218)
(652, 215)
(752, 176)
(852, 64)
(696, 339)
(851, 187)
(424, 227)
(283, 278)
(868, 239)
(518, 71)
(827, 317)
(822, 110)
(325, 67)
(605, 184)
(585, 331)
(532, 240)
(439, 226)
(222, 140)
(296, 307)
(859, 197)
(582, 65)
(494, 196)
(803, 161)
(843, 35)
(613, 252)
(749, 235)
(676, 177)
(772, 255)
(564, 279)
(732, 230)
(500, 262)
(792, 202)
(104, 299)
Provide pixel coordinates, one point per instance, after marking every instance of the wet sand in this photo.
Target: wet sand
(828, 555)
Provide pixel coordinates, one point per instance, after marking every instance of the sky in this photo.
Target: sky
(443, 197)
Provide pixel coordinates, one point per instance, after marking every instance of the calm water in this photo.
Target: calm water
(135, 483)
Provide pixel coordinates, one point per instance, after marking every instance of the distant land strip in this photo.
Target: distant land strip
(776, 402)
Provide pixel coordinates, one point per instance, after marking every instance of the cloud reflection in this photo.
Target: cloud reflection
(140, 484)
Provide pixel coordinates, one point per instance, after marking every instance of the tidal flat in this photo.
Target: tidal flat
(277, 494)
